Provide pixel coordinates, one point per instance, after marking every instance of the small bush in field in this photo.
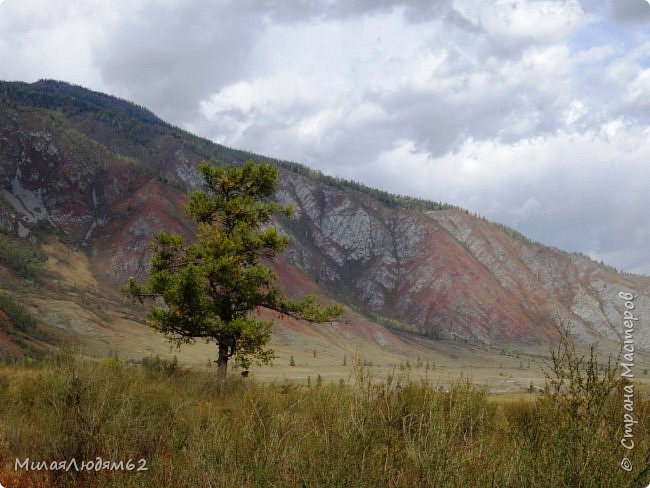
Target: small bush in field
(154, 366)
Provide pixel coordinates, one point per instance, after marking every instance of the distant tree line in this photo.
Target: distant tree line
(515, 234)
(389, 199)
(134, 121)
(141, 126)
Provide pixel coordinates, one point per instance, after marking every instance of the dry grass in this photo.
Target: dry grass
(71, 265)
(193, 431)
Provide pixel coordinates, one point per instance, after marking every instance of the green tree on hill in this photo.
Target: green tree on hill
(212, 288)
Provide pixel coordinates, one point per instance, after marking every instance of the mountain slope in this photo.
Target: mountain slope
(101, 175)
(449, 274)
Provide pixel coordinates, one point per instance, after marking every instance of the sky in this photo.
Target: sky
(532, 113)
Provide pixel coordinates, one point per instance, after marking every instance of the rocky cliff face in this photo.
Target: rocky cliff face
(448, 274)
(439, 273)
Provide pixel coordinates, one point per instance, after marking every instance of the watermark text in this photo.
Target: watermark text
(630, 320)
(97, 464)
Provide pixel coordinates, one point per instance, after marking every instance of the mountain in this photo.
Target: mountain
(86, 179)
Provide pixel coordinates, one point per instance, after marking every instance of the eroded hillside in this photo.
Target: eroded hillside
(97, 177)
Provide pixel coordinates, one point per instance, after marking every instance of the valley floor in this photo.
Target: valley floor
(160, 425)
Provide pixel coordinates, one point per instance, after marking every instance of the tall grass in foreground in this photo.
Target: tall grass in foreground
(195, 432)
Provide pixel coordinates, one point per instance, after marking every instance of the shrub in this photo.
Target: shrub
(20, 256)
(18, 314)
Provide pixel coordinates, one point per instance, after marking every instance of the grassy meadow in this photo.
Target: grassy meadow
(193, 431)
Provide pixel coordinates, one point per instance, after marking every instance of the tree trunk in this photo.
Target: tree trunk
(222, 361)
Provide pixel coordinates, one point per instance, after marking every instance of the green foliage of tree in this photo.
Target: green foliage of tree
(212, 288)
(580, 382)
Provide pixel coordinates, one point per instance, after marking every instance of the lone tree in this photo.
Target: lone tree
(212, 288)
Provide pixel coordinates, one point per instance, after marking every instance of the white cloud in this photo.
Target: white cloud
(530, 208)
(576, 111)
(56, 39)
(639, 90)
(540, 21)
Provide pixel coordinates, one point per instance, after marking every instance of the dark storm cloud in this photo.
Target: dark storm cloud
(622, 11)
(454, 17)
(630, 11)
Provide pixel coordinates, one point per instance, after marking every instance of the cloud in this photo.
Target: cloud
(433, 96)
(174, 54)
(630, 11)
(454, 17)
(532, 112)
(414, 11)
(194, 48)
(56, 40)
(548, 187)
(579, 192)
(639, 90)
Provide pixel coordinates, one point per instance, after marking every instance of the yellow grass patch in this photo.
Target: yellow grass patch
(71, 265)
